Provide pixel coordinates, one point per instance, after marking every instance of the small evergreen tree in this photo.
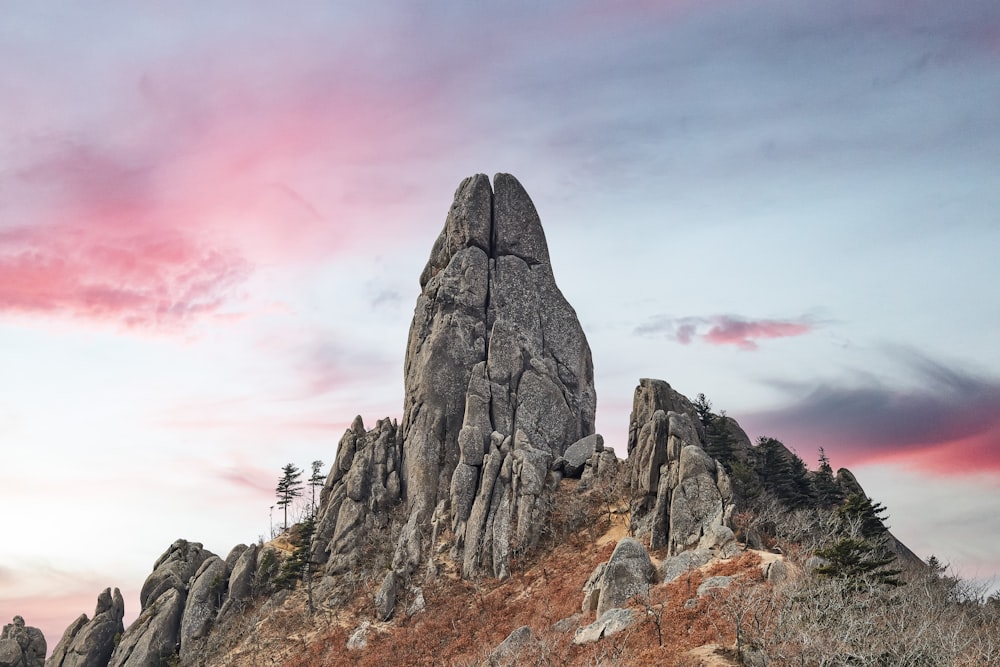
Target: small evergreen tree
(862, 554)
(297, 566)
(858, 561)
(782, 473)
(317, 479)
(703, 407)
(826, 490)
(289, 488)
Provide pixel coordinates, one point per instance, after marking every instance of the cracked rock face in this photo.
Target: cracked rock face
(21, 645)
(90, 642)
(363, 485)
(155, 635)
(498, 377)
(683, 497)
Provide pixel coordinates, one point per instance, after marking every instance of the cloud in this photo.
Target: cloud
(157, 278)
(725, 329)
(948, 423)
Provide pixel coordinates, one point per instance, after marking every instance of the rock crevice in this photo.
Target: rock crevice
(498, 379)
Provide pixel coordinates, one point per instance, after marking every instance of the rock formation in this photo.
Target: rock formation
(498, 381)
(628, 573)
(90, 642)
(363, 484)
(683, 498)
(21, 645)
(156, 634)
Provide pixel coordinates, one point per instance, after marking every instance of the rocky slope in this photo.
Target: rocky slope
(493, 496)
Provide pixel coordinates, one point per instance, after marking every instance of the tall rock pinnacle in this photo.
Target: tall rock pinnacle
(498, 374)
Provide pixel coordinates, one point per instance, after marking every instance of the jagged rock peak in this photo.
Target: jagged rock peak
(498, 377)
(21, 645)
(682, 498)
(90, 642)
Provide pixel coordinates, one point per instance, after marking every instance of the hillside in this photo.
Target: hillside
(491, 525)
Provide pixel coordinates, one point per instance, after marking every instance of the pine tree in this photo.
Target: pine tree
(828, 493)
(718, 440)
(289, 488)
(782, 473)
(862, 554)
(317, 479)
(858, 561)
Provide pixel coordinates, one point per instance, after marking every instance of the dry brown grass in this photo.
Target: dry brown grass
(465, 620)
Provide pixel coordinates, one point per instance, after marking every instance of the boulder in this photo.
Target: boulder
(90, 642)
(205, 597)
(498, 382)
(21, 645)
(153, 637)
(610, 622)
(674, 566)
(628, 573)
(713, 583)
(385, 598)
(508, 650)
(359, 638)
(581, 451)
(240, 585)
(174, 569)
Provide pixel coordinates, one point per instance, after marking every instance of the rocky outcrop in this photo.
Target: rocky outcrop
(364, 483)
(627, 574)
(156, 634)
(90, 642)
(609, 623)
(498, 382)
(21, 645)
(204, 598)
(683, 499)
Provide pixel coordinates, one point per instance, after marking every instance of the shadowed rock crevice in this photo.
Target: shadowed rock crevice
(498, 381)
(682, 498)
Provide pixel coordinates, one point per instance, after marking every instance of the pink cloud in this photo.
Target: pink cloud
(733, 330)
(729, 330)
(159, 278)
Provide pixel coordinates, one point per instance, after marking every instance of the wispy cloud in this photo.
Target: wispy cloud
(948, 423)
(733, 330)
(157, 278)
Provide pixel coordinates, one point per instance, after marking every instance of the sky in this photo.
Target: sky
(213, 218)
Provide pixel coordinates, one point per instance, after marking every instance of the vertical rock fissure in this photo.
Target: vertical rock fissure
(494, 349)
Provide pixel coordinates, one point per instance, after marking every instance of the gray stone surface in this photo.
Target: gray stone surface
(577, 454)
(90, 642)
(674, 566)
(21, 645)
(240, 579)
(359, 638)
(682, 499)
(775, 571)
(205, 597)
(610, 622)
(510, 647)
(713, 583)
(628, 573)
(385, 597)
(363, 485)
(174, 569)
(152, 638)
(498, 381)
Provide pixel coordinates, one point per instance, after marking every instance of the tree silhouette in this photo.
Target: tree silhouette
(316, 479)
(289, 488)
